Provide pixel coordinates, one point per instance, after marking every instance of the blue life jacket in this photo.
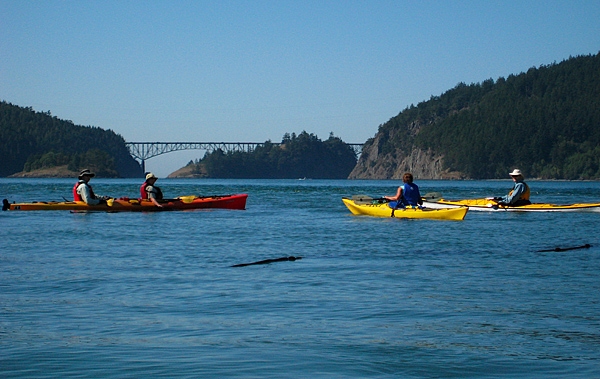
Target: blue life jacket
(410, 194)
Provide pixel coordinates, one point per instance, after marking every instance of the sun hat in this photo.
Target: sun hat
(150, 176)
(86, 172)
(516, 172)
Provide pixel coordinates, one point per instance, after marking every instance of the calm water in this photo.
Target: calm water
(118, 295)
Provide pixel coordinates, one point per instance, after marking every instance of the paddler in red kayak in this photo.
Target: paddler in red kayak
(82, 191)
(149, 191)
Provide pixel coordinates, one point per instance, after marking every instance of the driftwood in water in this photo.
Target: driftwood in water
(586, 246)
(267, 261)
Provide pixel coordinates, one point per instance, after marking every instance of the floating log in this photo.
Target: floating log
(586, 246)
(267, 261)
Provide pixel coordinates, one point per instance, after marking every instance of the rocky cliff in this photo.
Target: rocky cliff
(422, 164)
(546, 121)
(379, 161)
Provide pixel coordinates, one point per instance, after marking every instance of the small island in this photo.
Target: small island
(298, 156)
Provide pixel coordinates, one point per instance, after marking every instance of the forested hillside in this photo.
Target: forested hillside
(545, 121)
(298, 156)
(31, 140)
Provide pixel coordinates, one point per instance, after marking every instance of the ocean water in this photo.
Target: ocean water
(150, 295)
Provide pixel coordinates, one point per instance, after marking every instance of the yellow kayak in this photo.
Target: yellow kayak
(492, 205)
(384, 210)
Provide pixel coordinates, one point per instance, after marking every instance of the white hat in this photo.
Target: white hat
(516, 172)
(150, 176)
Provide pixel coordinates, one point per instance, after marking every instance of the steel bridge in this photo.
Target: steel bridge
(142, 151)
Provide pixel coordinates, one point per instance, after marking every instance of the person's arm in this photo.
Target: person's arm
(397, 197)
(515, 195)
(152, 196)
(155, 202)
(86, 196)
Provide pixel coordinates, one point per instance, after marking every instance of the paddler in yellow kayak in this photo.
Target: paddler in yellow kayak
(519, 195)
(408, 194)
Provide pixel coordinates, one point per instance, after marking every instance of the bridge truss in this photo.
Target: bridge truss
(142, 151)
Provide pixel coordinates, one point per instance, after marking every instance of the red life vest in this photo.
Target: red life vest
(77, 196)
(146, 196)
(143, 192)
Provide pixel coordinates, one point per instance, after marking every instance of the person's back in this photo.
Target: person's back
(76, 195)
(143, 192)
(407, 195)
(411, 195)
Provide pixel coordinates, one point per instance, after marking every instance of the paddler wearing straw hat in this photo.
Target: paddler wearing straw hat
(149, 191)
(519, 195)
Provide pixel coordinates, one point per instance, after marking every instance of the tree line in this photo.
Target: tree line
(32, 140)
(545, 121)
(298, 156)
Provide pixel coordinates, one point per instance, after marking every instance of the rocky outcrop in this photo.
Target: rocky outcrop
(190, 171)
(373, 164)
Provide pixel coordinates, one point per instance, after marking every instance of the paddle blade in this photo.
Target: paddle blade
(432, 196)
(362, 199)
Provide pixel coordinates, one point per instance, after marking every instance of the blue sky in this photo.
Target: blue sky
(250, 71)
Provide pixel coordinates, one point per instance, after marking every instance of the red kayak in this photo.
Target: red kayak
(123, 204)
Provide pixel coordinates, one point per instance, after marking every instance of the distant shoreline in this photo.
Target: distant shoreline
(187, 173)
(51, 172)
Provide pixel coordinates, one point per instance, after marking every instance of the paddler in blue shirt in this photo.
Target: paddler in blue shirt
(407, 195)
(519, 195)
